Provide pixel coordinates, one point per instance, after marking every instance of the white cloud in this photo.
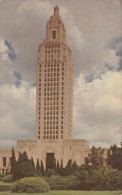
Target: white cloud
(75, 36)
(74, 33)
(108, 104)
(35, 7)
(3, 51)
(111, 58)
(98, 109)
(3, 47)
(17, 116)
(7, 65)
(7, 51)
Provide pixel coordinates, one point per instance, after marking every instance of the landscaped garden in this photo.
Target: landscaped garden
(93, 178)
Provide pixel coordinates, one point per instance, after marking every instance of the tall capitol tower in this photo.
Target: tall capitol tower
(54, 84)
(54, 105)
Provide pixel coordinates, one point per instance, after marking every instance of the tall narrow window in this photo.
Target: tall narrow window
(54, 34)
(4, 161)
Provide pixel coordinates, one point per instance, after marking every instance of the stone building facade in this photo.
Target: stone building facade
(54, 103)
(54, 84)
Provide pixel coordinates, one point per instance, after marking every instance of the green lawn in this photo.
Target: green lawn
(63, 192)
(4, 183)
(68, 193)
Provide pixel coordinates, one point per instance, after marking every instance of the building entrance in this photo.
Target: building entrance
(50, 161)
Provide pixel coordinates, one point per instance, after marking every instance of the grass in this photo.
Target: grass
(69, 192)
(4, 183)
(64, 192)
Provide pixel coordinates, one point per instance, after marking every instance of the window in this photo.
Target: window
(53, 34)
(4, 161)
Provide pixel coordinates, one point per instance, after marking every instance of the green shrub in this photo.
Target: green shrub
(72, 182)
(30, 185)
(103, 178)
(1, 177)
(63, 183)
(56, 183)
(5, 187)
(8, 178)
(50, 172)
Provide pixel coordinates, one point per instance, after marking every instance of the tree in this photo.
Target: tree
(61, 166)
(57, 166)
(99, 178)
(75, 166)
(96, 157)
(54, 165)
(66, 170)
(23, 167)
(60, 171)
(13, 160)
(33, 163)
(42, 168)
(114, 157)
(38, 168)
(69, 164)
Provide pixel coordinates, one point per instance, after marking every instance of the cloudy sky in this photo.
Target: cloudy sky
(95, 38)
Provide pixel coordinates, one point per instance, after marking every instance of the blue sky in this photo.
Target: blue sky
(94, 36)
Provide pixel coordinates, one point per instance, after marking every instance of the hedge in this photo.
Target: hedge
(8, 179)
(56, 183)
(5, 186)
(63, 183)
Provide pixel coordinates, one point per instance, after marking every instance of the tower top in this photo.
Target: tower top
(56, 11)
(55, 29)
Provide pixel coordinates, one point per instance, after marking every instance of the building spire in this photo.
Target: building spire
(55, 29)
(56, 11)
